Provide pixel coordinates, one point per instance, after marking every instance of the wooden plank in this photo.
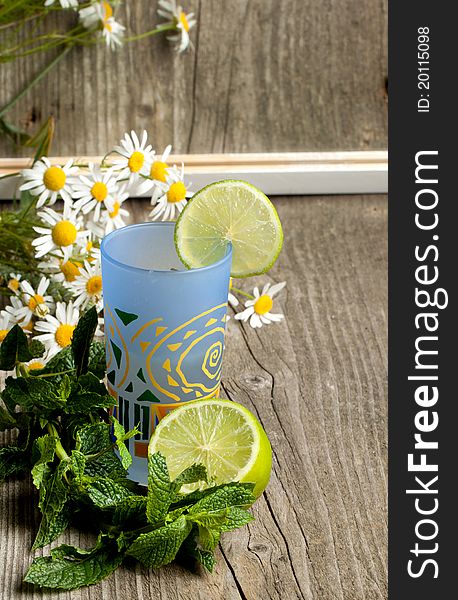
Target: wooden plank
(317, 382)
(265, 76)
(278, 174)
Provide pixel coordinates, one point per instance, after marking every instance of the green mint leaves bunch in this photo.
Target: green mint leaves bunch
(78, 461)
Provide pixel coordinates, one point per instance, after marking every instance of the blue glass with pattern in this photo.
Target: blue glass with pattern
(164, 329)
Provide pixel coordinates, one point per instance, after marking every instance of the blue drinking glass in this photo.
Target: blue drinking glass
(164, 329)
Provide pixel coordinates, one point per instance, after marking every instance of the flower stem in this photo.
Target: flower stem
(60, 450)
(55, 374)
(151, 32)
(34, 81)
(242, 293)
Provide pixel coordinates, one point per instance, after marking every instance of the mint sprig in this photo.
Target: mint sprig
(77, 457)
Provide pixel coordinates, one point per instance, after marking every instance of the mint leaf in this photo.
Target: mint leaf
(208, 538)
(120, 437)
(191, 549)
(95, 439)
(192, 474)
(159, 547)
(78, 465)
(12, 460)
(42, 454)
(105, 492)
(70, 568)
(206, 559)
(193, 497)
(36, 349)
(231, 494)
(82, 338)
(6, 420)
(14, 349)
(35, 394)
(160, 489)
(51, 530)
(227, 519)
(62, 361)
(84, 399)
(97, 360)
(129, 510)
(52, 503)
(212, 525)
(67, 551)
(174, 514)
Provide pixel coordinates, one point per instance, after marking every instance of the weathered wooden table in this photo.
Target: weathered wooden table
(317, 382)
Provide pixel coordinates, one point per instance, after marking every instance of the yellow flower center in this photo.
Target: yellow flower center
(114, 213)
(159, 170)
(36, 366)
(3, 334)
(184, 21)
(107, 26)
(94, 285)
(64, 233)
(107, 10)
(136, 161)
(70, 270)
(99, 191)
(13, 284)
(177, 192)
(230, 283)
(263, 304)
(35, 301)
(54, 178)
(64, 334)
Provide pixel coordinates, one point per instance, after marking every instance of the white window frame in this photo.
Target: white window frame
(281, 174)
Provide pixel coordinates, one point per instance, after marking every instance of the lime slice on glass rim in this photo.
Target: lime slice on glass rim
(229, 211)
(222, 435)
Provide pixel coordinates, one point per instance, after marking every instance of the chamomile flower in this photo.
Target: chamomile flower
(182, 21)
(170, 197)
(113, 33)
(136, 157)
(36, 303)
(111, 219)
(36, 364)
(61, 236)
(56, 332)
(63, 3)
(87, 287)
(14, 282)
(94, 191)
(257, 311)
(100, 14)
(5, 324)
(49, 181)
(114, 219)
(158, 173)
(61, 270)
(92, 250)
(12, 309)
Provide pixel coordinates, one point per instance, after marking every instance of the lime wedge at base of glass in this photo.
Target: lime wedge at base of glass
(222, 435)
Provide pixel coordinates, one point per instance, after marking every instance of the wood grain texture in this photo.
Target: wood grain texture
(317, 382)
(266, 75)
